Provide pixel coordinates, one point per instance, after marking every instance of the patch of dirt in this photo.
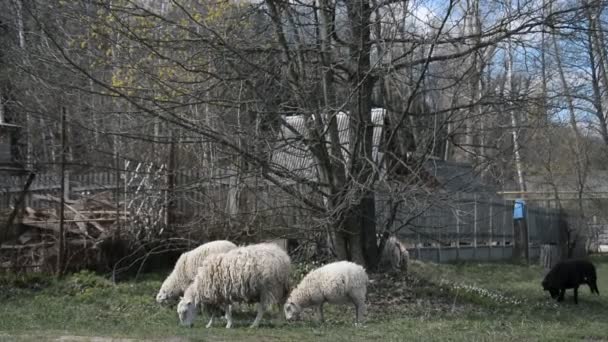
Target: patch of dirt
(400, 292)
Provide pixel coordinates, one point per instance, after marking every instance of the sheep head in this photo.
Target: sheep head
(168, 290)
(553, 291)
(186, 310)
(292, 311)
(162, 296)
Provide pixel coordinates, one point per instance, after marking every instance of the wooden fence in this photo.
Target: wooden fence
(214, 199)
(473, 227)
(468, 227)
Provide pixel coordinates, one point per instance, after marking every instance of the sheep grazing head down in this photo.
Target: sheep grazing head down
(553, 291)
(186, 310)
(167, 291)
(162, 296)
(292, 311)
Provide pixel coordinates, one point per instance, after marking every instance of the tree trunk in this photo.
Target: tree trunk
(514, 124)
(1, 106)
(28, 120)
(597, 73)
(360, 123)
(581, 161)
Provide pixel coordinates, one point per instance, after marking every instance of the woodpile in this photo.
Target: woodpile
(88, 222)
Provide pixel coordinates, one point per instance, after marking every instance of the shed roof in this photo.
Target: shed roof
(292, 154)
(459, 177)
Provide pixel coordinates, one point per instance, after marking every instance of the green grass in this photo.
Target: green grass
(459, 302)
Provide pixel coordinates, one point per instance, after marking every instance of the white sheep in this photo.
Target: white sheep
(252, 274)
(340, 282)
(394, 255)
(186, 268)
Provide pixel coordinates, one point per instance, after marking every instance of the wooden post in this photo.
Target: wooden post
(475, 226)
(491, 235)
(439, 247)
(520, 232)
(504, 223)
(61, 239)
(171, 180)
(439, 252)
(526, 236)
(525, 239)
(457, 235)
(549, 256)
(66, 185)
(117, 186)
(418, 244)
(516, 239)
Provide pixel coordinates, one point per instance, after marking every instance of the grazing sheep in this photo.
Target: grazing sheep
(569, 274)
(252, 274)
(394, 255)
(186, 268)
(337, 283)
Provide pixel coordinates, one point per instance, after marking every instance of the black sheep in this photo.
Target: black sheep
(570, 274)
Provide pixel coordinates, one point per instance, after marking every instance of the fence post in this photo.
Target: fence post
(475, 227)
(490, 236)
(527, 232)
(439, 252)
(504, 227)
(439, 247)
(61, 239)
(67, 190)
(457, 235)
(418, 244)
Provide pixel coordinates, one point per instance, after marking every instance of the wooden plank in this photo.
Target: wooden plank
(49, 225)
(50, 198)
(78, 242)
(104, 212)
(80, 224)
(72, 221)
(30, 245)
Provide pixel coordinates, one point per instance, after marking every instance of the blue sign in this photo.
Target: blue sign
(519, 209)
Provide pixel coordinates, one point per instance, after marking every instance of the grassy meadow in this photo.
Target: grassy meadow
(455, 302)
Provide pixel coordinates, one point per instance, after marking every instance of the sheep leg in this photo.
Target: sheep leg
(321, 317)
(359, 309)
(258, 318)
(357, 297)
(210, 321)
(228, 316)
(576, 295)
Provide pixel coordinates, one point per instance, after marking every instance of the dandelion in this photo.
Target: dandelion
(482, 293)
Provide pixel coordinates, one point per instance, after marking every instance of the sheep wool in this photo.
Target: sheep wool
(340, 282)
(252, 274)
(186, 268)
(394, 255)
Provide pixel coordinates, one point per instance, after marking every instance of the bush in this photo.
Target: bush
(83, 280)
(299, 270)
(31, 281)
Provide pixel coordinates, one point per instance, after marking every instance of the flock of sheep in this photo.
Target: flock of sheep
(218, 274)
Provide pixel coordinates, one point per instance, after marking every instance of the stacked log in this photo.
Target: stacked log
(88, 222)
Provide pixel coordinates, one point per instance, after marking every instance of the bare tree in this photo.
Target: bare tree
(227, 86)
